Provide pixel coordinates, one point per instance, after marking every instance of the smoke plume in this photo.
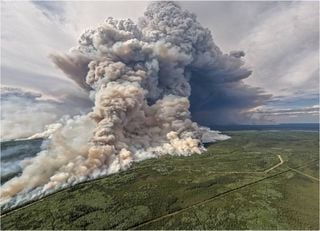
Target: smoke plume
(140, 77)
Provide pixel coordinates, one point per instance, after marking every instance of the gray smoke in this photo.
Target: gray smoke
(141, 77)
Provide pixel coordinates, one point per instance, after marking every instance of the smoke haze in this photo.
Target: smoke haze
(143, 79)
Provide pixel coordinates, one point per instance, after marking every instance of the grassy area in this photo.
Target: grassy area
(224, 188)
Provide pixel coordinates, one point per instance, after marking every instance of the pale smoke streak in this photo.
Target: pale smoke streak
(139, 80)
(48, 131)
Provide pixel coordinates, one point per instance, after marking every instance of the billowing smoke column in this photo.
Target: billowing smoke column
(139, 76)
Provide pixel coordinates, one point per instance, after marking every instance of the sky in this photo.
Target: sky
(280, 40)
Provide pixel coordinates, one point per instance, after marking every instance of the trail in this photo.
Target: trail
(253, 172)
(277, 165)
(304, 174)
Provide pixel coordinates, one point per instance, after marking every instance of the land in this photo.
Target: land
(256, 180)
(17, 150)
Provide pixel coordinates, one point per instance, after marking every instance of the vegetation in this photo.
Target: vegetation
(224, 188)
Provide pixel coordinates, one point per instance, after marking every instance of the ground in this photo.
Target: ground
(240, 183)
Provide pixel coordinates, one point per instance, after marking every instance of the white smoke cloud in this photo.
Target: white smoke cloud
(140, 77)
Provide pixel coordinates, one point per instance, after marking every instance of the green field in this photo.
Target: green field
(227, 187)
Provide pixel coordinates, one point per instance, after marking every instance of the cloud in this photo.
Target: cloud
(283, 48)
(28, 37)
(314, 110)
(230, 21)
(280, 40)
(306, 114)
(25, 112)
(52, 10)
(300, 98)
